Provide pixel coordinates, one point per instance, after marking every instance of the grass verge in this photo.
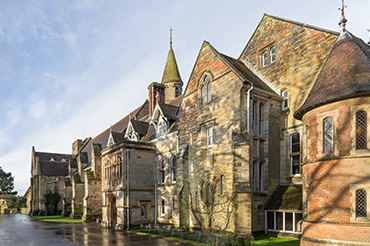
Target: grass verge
(260, 241)
(57, 218)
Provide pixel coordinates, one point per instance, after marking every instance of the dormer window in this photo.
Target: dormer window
(52, 159)
(64, 160)
(162, 128)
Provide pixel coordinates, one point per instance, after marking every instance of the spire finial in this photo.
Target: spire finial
(171, 29)
(343, 19)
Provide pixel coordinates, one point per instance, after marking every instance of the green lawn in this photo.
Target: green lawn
(57, 218)
(274, 241)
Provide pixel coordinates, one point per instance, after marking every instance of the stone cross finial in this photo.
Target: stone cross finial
(171, 29)
(343, 19)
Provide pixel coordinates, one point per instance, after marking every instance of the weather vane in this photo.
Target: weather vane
(342, 9)
(171, 29)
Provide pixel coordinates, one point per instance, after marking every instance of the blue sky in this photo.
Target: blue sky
(70, 69)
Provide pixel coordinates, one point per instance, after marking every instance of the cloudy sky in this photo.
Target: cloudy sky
(70, 69)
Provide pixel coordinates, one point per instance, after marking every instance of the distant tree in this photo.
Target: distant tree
(7, 182)
(19, 201)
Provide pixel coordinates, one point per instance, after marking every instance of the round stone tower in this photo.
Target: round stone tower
(336, 147)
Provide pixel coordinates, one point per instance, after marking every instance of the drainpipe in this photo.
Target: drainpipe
(128, 188)
(155, 194)
(248, 106)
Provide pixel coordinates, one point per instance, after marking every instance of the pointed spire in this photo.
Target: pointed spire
(171, 72)
(171, 29)
(342, 24)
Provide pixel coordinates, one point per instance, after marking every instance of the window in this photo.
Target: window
(119, 167)
(361, 130)
(107, 170)
(260, 121)
(173, 205)
(327, 139)
(162, 172)
(361, 203)
(295, 156)
(143, 212)
(264, 59)
(203, 95)
(163, 209)
(284, 95)
(209, 136)
(254, 118)
(52, 159)
(222, 184)
(64, 160)
(272, 55)
(257, 177)
(284, 221)
(162, 128)
(173, 169)
(209, 91)
(196, 199)
(177, 91)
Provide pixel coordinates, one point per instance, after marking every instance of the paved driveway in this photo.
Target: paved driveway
(23, 230)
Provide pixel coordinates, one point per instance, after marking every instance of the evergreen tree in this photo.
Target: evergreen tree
(7, 182)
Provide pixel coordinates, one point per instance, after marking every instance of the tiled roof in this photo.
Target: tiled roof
(140, 126)
(345, 74)
(286, 197)
(118, 137)
(53, 168)
(239, 66)
(168, 110)
(171, 72)
(55, 156)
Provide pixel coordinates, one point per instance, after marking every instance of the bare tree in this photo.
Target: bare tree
(213, 207)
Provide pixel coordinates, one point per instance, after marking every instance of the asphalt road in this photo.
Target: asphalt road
(16, 230)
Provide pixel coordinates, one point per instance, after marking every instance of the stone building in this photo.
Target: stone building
(48, 171)
(5, 202)
(335, 147)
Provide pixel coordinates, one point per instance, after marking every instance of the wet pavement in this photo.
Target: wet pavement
(17, 230)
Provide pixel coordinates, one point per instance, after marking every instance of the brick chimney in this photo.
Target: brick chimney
(154, 90)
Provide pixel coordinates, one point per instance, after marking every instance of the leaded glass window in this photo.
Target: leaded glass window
(327, 141)
(295, 155)
(361, 130)
(273, 55)
(203, 95)
(361, 203)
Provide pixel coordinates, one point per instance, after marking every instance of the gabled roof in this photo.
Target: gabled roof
(345, 74)
(168, 110)
(56, 156)
(288, 21)
(53, 168)
(4, 195)
(140, 127)
(286, 197)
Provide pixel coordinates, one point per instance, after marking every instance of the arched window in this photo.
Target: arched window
(203, 95)
(327, 138)
(361, 203)
(295, 154)
(119, 167)
(264, 59)
(284, 95)
(143, 212)
(163, 209)
(173, 169)
(162, 172)
(272, 55)
(361, 130)
(209, 91)
(222, 184)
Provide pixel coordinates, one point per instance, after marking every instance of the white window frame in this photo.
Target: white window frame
(209, 136)
(264, 59)
(284, 103)
(173, 169)
(273, 55)
(294, 154)
(275, 217)
(163, 207)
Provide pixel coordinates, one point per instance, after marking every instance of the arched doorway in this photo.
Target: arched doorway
(113, 211)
